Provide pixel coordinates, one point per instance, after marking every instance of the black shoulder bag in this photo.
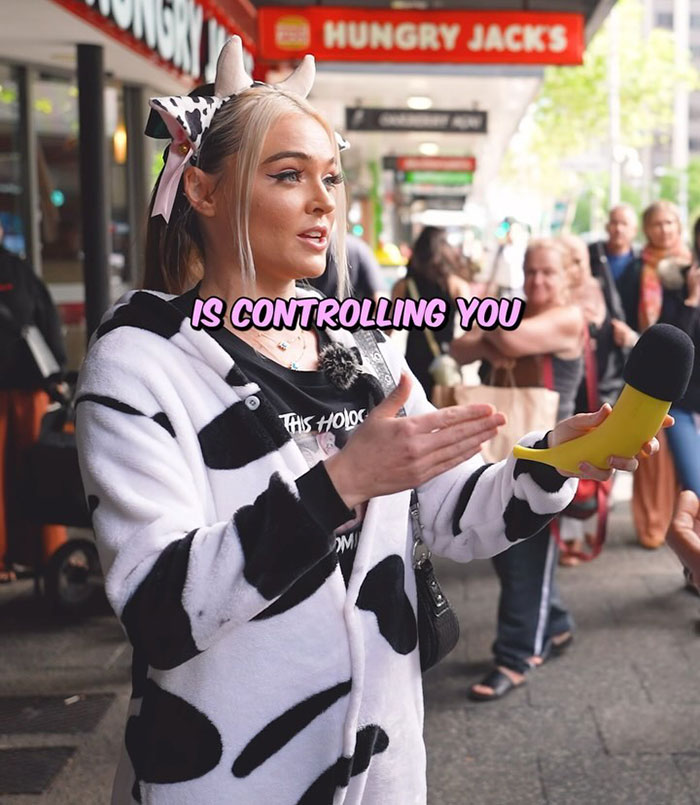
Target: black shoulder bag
(438, 627)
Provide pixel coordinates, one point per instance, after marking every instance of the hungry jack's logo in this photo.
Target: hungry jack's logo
(292, 33)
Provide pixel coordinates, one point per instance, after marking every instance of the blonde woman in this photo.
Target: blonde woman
(251, 511)
(532, 620)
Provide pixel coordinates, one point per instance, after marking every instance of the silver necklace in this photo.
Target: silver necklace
(283, 346)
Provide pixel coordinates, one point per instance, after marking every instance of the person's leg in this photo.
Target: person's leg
(29, 409)
(684, 442)
(560, 627)
(525, 572)
(653, 496)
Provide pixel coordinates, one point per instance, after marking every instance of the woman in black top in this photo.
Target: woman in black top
(432, 271)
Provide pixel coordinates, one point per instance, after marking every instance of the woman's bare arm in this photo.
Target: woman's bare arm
(555, 331)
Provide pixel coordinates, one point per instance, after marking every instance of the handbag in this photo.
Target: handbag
(527, 409)
(438, 626)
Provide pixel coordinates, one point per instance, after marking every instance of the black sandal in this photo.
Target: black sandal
(499, 682)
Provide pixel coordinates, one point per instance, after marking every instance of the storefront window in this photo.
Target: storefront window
(117, 155)
(56, 123)
(11, 189)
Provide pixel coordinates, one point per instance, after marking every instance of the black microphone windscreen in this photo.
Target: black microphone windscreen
(661, 363)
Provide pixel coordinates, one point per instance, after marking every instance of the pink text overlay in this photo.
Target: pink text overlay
(334, 314)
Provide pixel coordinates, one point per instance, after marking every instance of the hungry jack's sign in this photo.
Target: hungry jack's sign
(360, 34)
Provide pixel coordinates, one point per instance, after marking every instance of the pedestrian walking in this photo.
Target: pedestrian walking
(646, 301)
(431, 273)
(681, 305)
(24, 301)
(610, 260)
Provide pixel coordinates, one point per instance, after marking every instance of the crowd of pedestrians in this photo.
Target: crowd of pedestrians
(587, 305)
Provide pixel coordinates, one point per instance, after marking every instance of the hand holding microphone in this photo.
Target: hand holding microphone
(656, 374)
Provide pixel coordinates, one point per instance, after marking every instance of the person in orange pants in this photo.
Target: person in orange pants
(24, 300)
(21, 412)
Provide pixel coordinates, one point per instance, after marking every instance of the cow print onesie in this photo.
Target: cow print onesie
(259, 677)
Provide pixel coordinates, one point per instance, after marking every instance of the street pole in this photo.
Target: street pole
(679, 147)
(93, 183)
(614, 106)
(646, 151)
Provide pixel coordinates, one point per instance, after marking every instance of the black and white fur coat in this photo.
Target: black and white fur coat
(258, 678)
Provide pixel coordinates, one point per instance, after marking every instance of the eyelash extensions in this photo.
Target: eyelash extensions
(295, 176)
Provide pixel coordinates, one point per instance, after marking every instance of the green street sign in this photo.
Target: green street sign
(439, 177)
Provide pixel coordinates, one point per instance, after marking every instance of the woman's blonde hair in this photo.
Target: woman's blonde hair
(546, 244)
(175, 250)
(571, 243)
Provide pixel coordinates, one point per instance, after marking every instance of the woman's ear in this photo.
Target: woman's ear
(199, 189)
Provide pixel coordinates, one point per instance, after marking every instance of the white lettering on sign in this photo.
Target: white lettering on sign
(518, 38)
(173, 28)
(388, 36)
(145, 21)
(196, 24)
(123, 12)
(449, 34)
(217, 38)
(558, 41)
(165, 25)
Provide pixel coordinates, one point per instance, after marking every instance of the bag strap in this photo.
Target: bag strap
(429, 337)
(509, 373)
(590, 367)
(368, 345)
(547, 372)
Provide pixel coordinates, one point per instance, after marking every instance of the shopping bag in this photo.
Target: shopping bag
(527, 409)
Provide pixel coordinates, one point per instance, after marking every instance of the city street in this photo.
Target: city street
(613, 721)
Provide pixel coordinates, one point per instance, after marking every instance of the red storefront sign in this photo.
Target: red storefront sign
(183, 36)
(436, 164)
(360, 34)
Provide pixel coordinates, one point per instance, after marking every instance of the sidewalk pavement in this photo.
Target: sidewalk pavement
(613, 721)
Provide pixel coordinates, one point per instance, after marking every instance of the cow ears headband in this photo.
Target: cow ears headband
(186, 118)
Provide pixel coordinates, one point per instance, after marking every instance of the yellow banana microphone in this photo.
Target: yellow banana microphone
(656, 375)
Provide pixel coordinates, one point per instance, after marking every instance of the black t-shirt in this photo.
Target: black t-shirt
(317, 415)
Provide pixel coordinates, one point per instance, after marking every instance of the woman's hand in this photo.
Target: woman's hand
(623, 334)
(683, 537)
(580, 424)
(388, 454)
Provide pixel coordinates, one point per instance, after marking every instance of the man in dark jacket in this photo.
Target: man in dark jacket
(611, 261)
(24, 301)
